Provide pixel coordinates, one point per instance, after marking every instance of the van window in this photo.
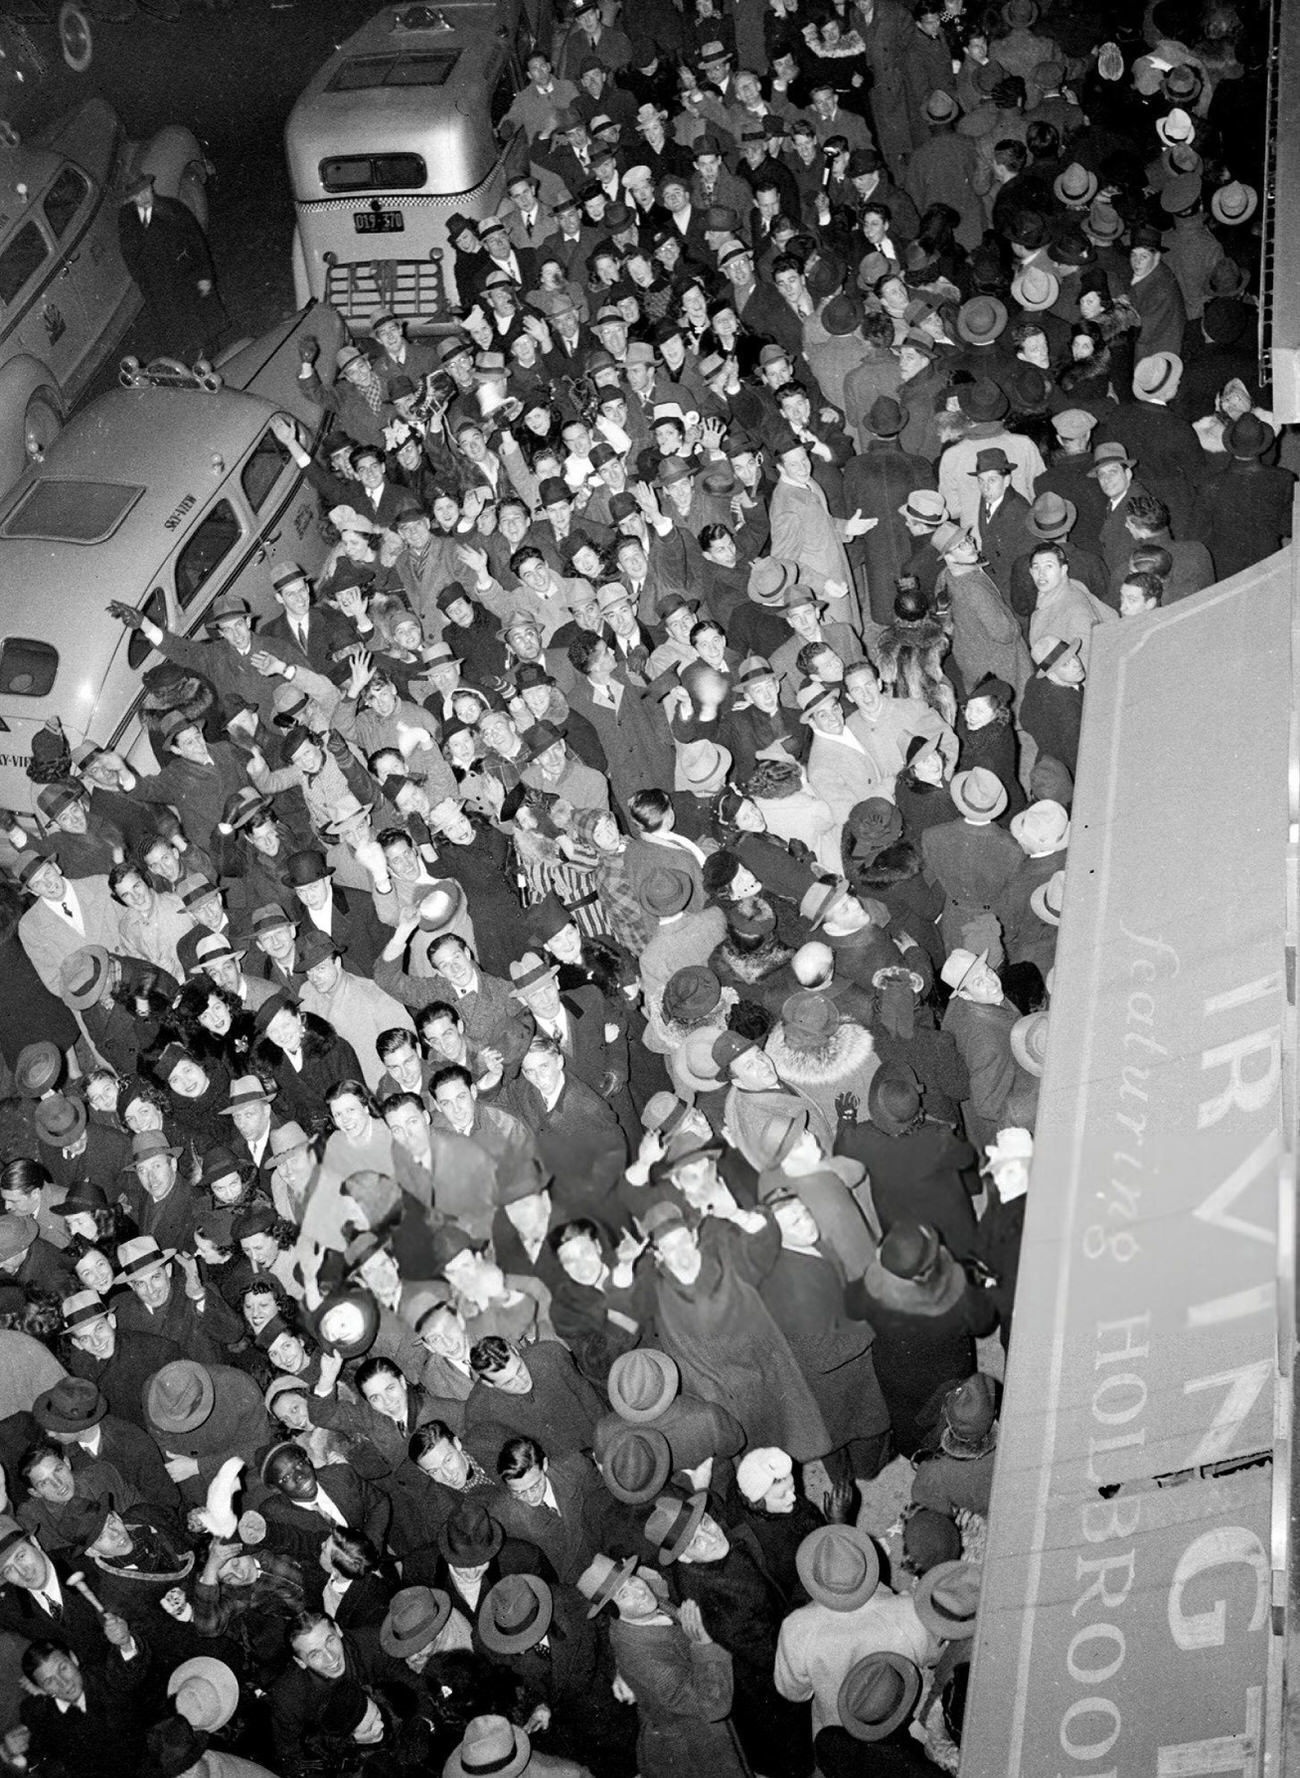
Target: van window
(209, 545)
(360, 73)
(262, 471)
(503, 95)
(139, 648)
(64, 199)
(27, 669)
(24, 256)
(373, 172)
(72, 511)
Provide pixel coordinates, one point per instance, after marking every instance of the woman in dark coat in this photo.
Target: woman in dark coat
(713, 1321)
(326, 1057)
(918, 1168)
(926, 1318)
(896, 877)
(986, 737)
(29, 1013)
(805, 1292)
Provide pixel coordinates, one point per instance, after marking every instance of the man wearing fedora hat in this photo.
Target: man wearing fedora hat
(493, 1745)
(972, 859)
(877, 1706)
(75, 1414)
(1247, 508)
(200, 1416)
(680, 1679)
(852, 1614)
(979, 1018)
(343, 915)
(196, 1318)
(986, 407)
(28, 1259)
(541, 1633)
(1053, 519)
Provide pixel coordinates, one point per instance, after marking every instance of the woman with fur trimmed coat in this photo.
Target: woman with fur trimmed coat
(822, 1055)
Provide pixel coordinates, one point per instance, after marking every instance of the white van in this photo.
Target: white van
(163, 497)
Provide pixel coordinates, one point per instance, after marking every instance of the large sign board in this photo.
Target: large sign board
(1125, 1622)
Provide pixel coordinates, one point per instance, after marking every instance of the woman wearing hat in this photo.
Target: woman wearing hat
(986, 736)
(918, 1166)
(926, 1318)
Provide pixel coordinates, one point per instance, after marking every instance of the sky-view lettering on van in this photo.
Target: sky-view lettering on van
(178, 513)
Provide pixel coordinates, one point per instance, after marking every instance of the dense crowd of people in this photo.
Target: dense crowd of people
(517, 1132)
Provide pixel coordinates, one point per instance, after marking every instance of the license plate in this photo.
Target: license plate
(378, 222)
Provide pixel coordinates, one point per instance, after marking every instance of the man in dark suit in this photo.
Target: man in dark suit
(85, 1717)
(578, 1134)
(167, 254)
(301, 632)
(376, 498)
(470, 1540)
(307, 1504)
(349, 918)
(877, 483)
(580, 1019)
(36, 1601)
(1003, 523)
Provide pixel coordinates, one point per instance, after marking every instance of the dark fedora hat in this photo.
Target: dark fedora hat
(894, 1099)
(172, 1747)
(470, 1536)
(72, 1406)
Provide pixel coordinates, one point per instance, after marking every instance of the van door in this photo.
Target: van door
(40, 312)
(84, 230)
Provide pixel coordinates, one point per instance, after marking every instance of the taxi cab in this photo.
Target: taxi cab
(394, 134)
(66, 297)
(161, 496)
